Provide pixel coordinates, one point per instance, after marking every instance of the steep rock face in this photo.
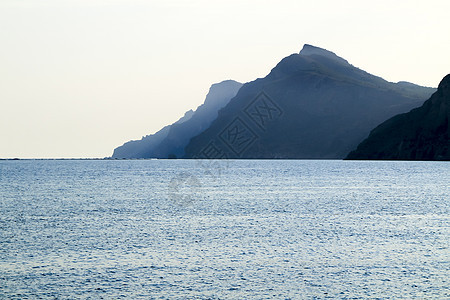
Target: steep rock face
(171, 140)
(312, 105)
(421, 134)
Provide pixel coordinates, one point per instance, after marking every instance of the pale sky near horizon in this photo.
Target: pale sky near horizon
(81, 77)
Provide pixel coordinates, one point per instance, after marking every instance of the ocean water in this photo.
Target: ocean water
(247, 229)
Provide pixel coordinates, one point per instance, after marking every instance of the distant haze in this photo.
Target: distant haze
(79, 77)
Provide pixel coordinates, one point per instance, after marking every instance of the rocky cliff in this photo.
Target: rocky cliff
(421, 134)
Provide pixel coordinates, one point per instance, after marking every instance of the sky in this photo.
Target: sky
(81, 77)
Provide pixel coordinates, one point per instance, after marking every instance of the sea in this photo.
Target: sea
(224, 229)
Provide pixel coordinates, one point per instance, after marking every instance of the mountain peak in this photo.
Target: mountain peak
(309, 50)
(444, 85)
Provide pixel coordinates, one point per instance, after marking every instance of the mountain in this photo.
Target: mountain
(421, 134)
(171, 140)
(137, 149)
(313, 104)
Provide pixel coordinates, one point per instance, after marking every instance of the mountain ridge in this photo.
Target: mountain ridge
(171, 139)
(420, 134)
(328, 107)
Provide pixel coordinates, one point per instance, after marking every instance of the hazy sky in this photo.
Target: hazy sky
(79, 78)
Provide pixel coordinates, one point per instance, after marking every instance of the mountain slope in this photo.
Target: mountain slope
(137, 149)
(172, 139)
(311, 105)
(421, 134)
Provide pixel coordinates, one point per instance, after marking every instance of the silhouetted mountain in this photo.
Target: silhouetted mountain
(421, 134)
(312, 105)
(137, 149)
(172, 139)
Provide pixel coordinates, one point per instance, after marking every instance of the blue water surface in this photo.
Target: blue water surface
(245, 229)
